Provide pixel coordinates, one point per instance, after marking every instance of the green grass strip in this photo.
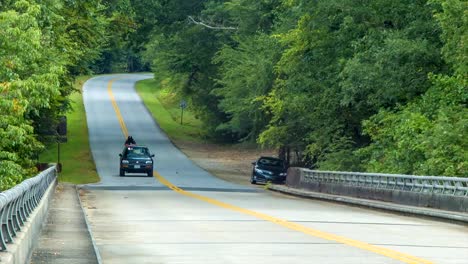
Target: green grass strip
(75, 155)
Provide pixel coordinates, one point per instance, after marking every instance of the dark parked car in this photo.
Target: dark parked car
(136, 159)
(269, 169)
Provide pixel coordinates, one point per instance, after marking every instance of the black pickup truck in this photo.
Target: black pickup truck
(136, 159)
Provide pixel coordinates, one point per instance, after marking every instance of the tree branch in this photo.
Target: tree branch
(201, 23)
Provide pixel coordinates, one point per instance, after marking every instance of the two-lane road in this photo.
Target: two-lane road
(185, 215)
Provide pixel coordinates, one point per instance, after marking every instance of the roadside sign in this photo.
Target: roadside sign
(183, 104)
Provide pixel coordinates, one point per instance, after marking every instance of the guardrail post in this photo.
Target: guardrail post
(10, 222)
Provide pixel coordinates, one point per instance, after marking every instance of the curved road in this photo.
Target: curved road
(185, 215)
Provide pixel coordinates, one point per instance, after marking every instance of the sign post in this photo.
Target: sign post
(61, 138)
(183, 105)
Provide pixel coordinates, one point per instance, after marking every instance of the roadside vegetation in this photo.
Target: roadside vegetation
(332, 84)
(75, 155)
(164, 105)
(377, 86)
(44, 46)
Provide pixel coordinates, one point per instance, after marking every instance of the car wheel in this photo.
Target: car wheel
(150, 173)
(122, 172)
(252, 180)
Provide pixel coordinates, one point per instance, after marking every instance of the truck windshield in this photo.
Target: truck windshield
(136, 152)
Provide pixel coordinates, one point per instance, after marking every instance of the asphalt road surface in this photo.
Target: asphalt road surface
(185, 215)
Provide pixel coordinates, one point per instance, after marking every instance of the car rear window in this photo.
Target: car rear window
(271, 162)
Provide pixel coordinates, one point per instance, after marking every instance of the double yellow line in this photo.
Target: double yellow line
(405, 258)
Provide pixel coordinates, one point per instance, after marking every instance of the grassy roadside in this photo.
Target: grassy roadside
(75, 155)
(164, 107)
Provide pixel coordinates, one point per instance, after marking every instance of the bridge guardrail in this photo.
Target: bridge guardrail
(455, 186)
(17, 203)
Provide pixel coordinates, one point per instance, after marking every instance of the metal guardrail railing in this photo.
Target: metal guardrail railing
(428, 184)
(17, 203)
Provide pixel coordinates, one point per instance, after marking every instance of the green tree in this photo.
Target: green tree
(344, 61)
(428, 136)
(117, 55)
(247, 75)
(20, 77)
(43, 45)
(181, 54)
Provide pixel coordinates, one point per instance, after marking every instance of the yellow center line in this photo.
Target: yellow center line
(303, 229)
(116, 108)
(405, 258)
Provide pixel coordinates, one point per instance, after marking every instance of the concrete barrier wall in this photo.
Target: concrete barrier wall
(20, 250)
(430, 200)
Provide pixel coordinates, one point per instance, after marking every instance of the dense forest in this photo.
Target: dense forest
(332, 84)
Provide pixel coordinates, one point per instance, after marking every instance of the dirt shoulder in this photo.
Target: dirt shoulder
(230, 163)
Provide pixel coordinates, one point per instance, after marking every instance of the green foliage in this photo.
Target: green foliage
(20, 55)
(454, 21)
(342, 63)
(428, 135)
(181, 53)
(388, 71)
(118, 55)
(75, 155)
(250, 17)
(343, 84)
(190, 43)
(43, 45)
(425, 137)
(247, 74)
